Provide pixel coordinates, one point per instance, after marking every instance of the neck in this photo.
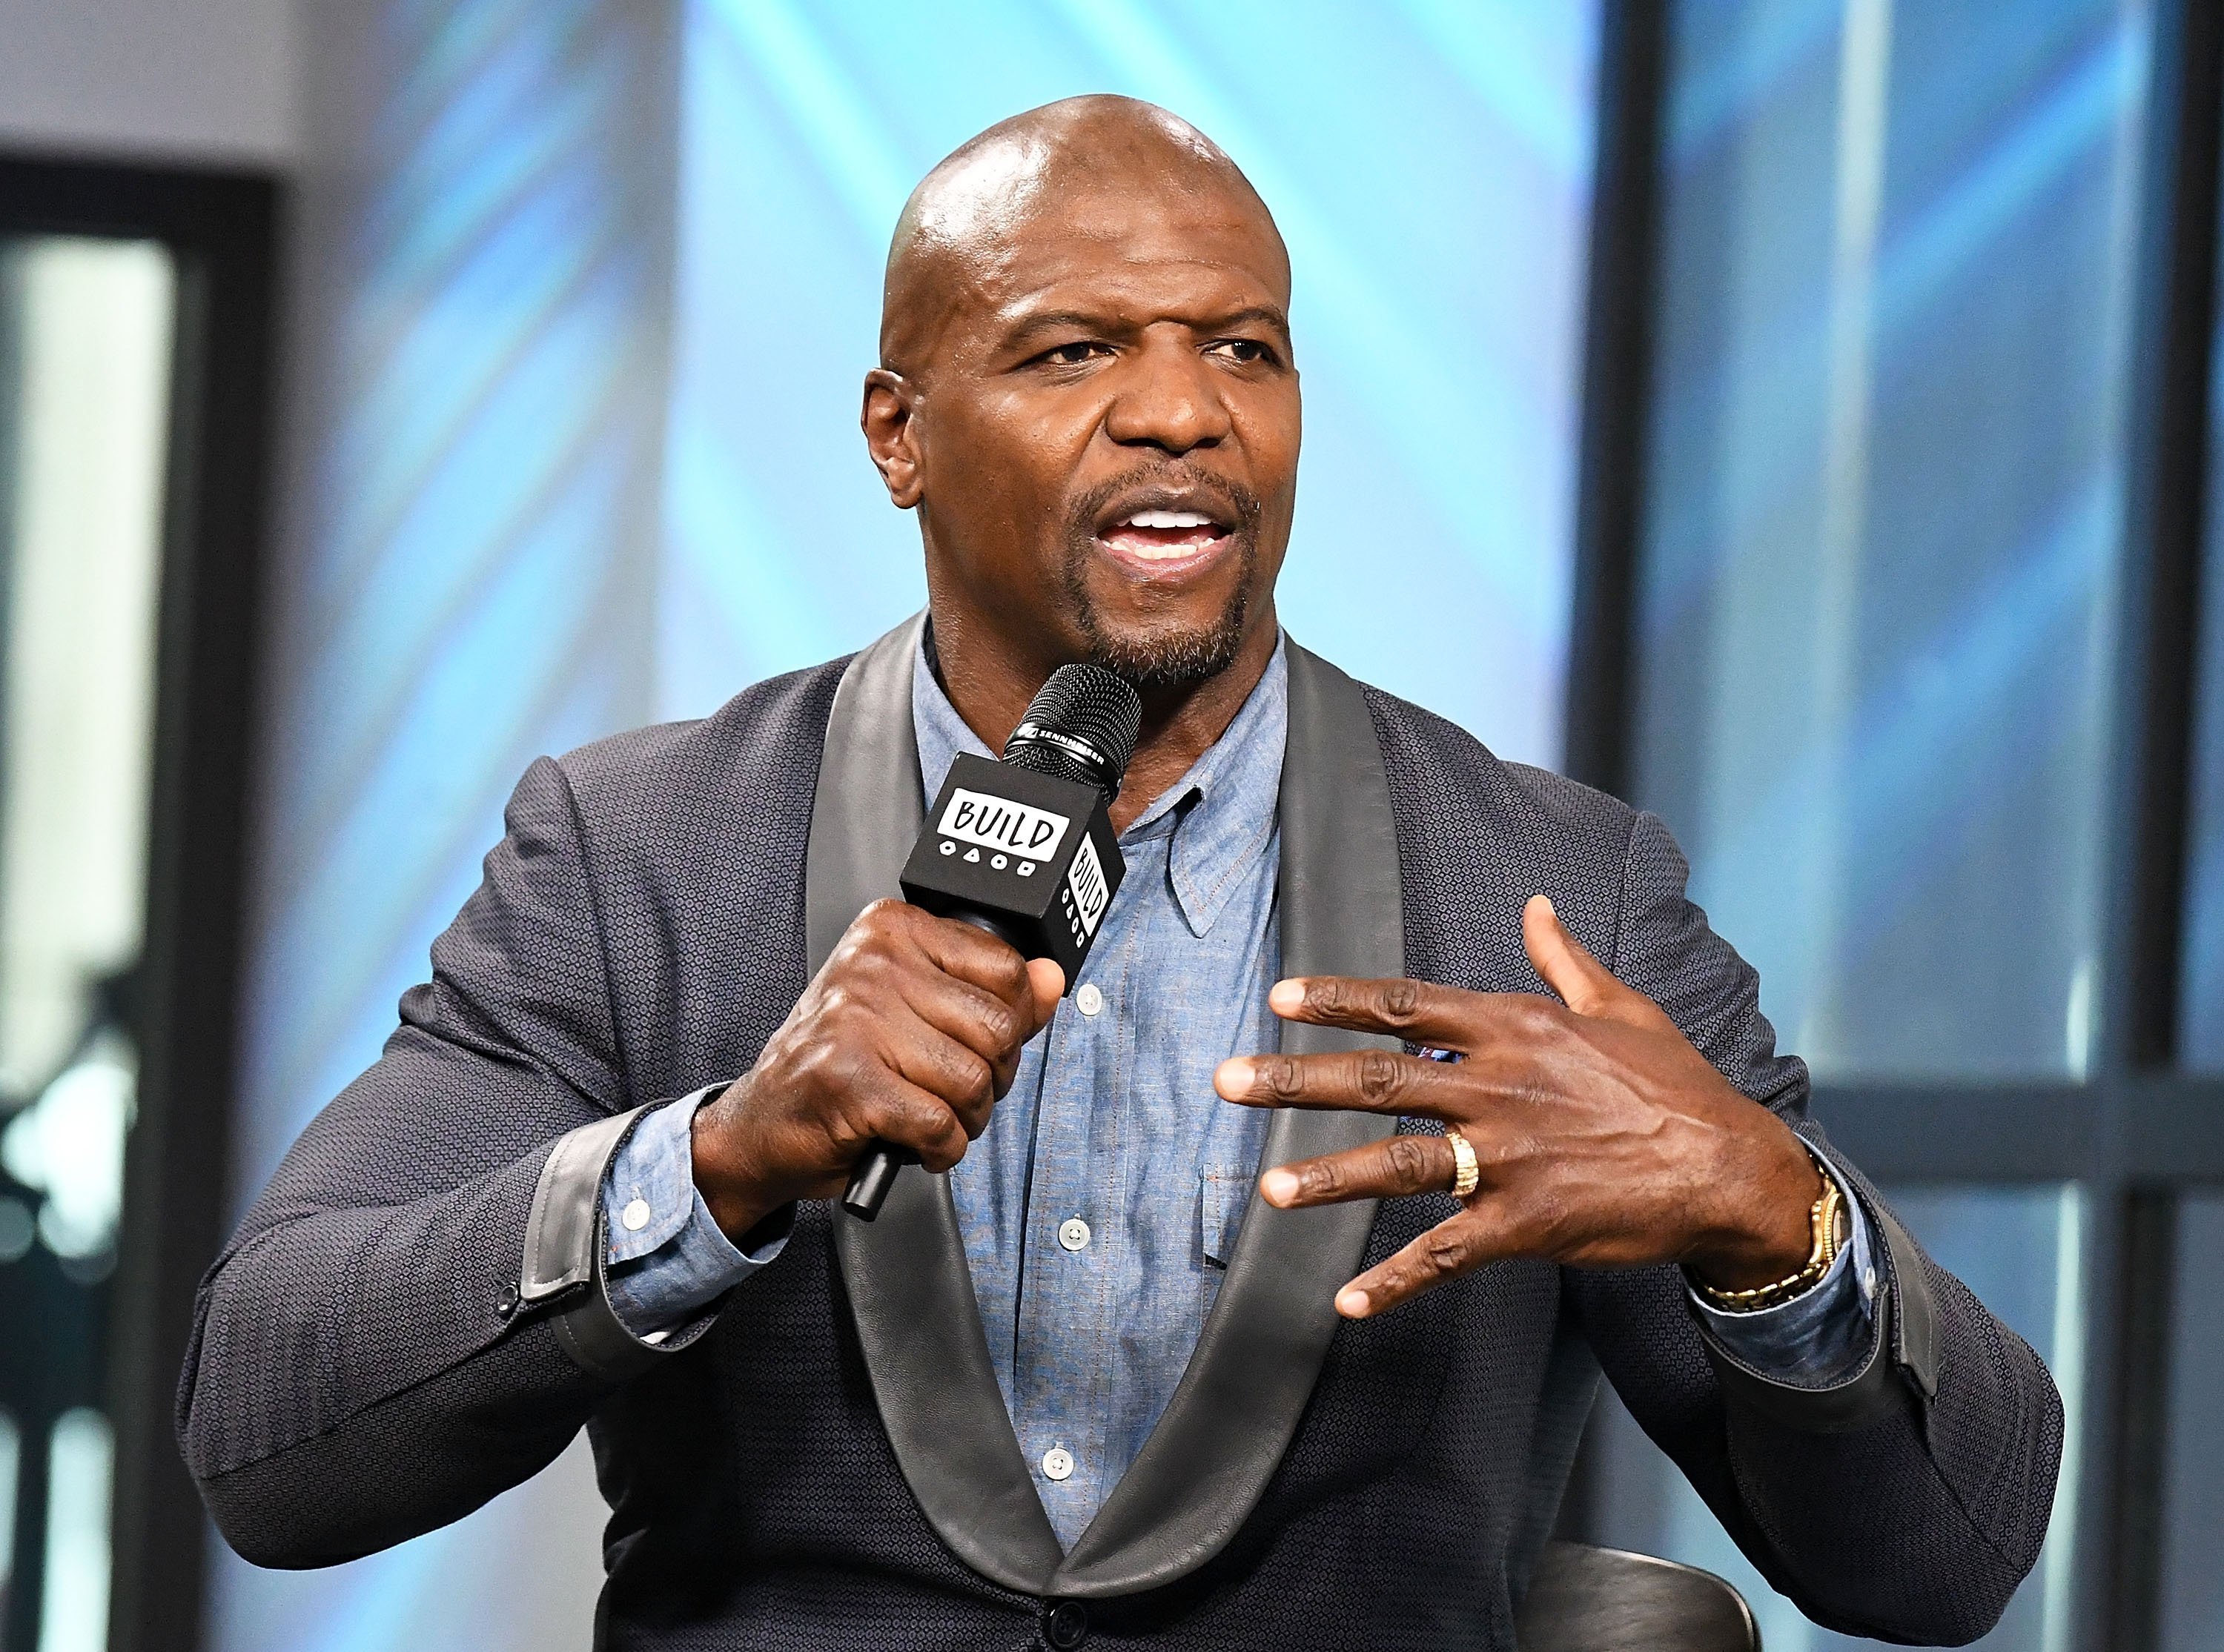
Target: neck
(991, 687)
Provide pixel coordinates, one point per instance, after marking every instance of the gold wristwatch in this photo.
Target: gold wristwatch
(1826, 1221)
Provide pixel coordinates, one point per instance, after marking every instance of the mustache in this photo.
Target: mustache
(1242, 504)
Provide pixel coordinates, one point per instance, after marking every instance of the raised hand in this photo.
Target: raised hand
(909, 1035)
(1603, 1138)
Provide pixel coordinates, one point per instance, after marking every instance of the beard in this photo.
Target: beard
(1163, 661)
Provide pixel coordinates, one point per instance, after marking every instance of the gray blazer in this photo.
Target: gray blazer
(411, 1317)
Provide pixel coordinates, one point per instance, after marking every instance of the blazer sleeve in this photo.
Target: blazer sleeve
(1904, 1503)
(411, 1317)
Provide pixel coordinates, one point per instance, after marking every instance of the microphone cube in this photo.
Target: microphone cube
(1033, 854)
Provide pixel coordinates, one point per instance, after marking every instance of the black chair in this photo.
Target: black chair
(1586, 1599)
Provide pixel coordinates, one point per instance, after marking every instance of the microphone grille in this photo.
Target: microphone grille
(1082, 726)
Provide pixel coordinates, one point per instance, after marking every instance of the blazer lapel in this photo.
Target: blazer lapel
(1208, 1461)
(910, 1286)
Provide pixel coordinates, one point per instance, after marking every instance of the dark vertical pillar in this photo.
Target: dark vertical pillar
(174, 1179)
(19, 1624)
(1632, 73)
(2125, 1432)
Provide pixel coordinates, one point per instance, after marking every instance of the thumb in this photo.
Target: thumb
(1585, 984)
(1048, 981)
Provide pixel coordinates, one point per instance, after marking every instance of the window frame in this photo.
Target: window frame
(2140, 1132)
(222, 226)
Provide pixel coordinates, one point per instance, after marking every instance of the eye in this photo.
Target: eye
(1072, 355)
(1245, 352)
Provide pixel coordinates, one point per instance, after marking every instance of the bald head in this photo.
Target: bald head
(962, 227)
(1087, 394)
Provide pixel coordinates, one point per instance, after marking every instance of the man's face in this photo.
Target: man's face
(1106, 428)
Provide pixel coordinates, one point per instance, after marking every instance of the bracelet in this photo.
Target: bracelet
(1822, 1221)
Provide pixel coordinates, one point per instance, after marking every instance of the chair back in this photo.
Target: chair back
(1586, 1599)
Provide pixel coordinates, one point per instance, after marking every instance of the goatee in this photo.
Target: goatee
(1170, 660)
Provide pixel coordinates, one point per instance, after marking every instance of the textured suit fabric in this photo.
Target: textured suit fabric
(360, 1371)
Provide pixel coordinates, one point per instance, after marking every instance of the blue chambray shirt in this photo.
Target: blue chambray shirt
(1101, 1206)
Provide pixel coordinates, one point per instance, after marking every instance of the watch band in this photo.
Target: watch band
(1824, 1221)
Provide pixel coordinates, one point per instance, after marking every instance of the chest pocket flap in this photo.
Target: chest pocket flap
(1225, 1194)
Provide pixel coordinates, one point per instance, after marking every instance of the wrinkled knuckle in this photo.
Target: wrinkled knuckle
(1443, 1253)
(1002, 1025)
(1380, 1076)
(1284, 1079)
(1410, 1161)
(884, 917)
(1401, 1002)
(1323, 1179)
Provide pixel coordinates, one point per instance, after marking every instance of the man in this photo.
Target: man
(1077, 1382)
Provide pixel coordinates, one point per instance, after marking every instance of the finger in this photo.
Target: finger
(1584, 985)
(984, 1023)
(1049, 983)
(962, 1079)
(892, 1109)
(1385, 1169)
(974, 954)
(1457, 1246)
(1417, 1012)
(1366, 1081)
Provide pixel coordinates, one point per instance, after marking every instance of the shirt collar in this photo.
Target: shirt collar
(1219, 816)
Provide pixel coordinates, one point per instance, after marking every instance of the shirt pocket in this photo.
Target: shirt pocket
(1223, 1195)
(1225, 1192)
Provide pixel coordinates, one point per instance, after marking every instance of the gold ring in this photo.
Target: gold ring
(1466, 1175)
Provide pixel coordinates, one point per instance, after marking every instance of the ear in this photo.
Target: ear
(890, 436)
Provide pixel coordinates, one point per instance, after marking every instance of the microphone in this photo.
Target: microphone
(1023, 848)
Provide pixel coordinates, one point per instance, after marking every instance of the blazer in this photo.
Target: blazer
(412, 1318)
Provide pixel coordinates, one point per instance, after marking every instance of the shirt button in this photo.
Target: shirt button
(1089, 1000)
(1057, 1463)
(634, 1215)
(1073, 1234)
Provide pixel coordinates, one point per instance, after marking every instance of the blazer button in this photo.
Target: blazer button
(1067, 1625)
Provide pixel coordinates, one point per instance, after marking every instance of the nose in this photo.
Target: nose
(1166, 398)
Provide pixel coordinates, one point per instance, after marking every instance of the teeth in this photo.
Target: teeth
(1165, 518)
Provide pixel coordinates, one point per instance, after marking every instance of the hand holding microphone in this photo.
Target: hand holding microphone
(905, 1041)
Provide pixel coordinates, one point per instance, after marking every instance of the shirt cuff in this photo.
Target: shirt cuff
(1819, 1337)
(665, 1256)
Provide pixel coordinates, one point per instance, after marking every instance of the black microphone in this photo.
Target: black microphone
(1023, 848)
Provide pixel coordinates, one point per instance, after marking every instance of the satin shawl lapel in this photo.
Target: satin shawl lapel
(910, 1286)
(1206, 1464)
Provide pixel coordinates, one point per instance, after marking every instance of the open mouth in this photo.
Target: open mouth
(1161, 538)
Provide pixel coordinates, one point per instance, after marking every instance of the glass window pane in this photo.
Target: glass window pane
(85, 365)
(2192, 1609)
(80, 1465)
(1885, 499)
(2020, 1250)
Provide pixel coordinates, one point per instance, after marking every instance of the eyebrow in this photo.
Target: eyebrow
(1088, 321)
